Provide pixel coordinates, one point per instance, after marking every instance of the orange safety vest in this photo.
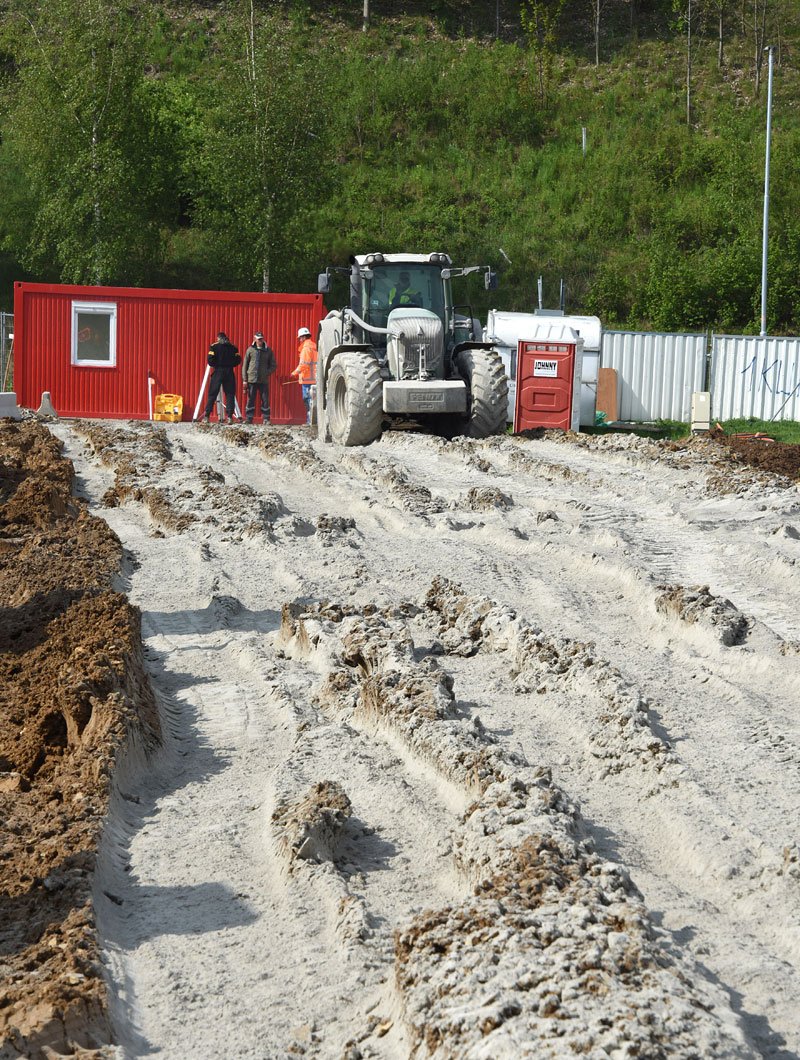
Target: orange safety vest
(307, 368)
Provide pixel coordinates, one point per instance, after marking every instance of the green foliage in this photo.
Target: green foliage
(257, 130)
(217, 166)
(86, 156)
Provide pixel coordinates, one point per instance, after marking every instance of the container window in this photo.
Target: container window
(94, 334)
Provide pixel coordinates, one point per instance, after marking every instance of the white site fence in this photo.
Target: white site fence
(747, 375)
(753, 376)
(657, 372)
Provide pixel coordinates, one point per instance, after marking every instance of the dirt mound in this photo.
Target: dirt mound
(73, 688)
(696, 604)
(776, 458)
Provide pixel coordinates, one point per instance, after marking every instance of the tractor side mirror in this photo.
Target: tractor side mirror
(323, 283)
(490, 280)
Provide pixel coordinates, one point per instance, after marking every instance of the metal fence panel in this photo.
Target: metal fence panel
(755, 376)
(657, 372)
(6, 339)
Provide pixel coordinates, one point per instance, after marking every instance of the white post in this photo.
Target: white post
(765, 229)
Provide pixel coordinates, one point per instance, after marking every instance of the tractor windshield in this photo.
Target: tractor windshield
(401, 286)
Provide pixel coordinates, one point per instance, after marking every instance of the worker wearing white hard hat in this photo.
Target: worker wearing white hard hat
(306, 370)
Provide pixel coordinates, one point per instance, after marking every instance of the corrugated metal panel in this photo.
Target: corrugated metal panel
(657, 372)
(754, 376)
(165, 332)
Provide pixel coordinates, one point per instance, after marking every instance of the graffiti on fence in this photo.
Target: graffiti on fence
(771, 376)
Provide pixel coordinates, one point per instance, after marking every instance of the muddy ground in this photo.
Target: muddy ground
(471, 748)
(72, 691)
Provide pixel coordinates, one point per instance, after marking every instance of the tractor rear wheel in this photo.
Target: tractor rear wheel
(354, 403)
(488, 392)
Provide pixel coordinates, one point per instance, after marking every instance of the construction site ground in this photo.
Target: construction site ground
(430, 748)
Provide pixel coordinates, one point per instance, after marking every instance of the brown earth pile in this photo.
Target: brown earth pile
(72, 689)
(777, 458)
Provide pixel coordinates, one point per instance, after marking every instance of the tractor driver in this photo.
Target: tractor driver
(403, 294)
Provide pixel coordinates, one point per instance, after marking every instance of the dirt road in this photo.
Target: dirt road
(478, 749)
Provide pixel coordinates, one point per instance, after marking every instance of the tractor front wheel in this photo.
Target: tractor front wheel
(486, 381)
(354, 404)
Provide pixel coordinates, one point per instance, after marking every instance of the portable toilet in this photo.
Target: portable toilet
(548, 392)
(505, 330)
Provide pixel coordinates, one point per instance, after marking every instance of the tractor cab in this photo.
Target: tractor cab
(403, 286)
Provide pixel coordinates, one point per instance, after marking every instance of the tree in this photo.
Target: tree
(685, 11)
(259, 160)
(540, 19)
(597, 8)
(83, 133)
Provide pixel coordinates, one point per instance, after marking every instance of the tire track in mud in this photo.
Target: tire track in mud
(393, 549)
(576, 928)
(631, 597)
(691, 850)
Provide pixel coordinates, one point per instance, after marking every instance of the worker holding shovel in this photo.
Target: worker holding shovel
(306, 370)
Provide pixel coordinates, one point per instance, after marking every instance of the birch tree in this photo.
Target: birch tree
(261, 160)
(83, 134)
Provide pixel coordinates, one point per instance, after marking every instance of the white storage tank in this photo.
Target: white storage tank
(506, 330)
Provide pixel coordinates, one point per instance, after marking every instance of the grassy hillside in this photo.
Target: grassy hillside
(442, 128)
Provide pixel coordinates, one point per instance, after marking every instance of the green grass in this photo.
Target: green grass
(781, 430)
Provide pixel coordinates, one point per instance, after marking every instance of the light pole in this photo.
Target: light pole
(765, 227)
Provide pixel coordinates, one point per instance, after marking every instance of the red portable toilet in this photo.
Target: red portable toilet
(549, 380)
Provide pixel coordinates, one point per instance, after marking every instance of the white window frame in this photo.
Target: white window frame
(108, 309)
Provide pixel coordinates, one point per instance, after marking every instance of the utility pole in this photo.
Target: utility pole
(765, 240)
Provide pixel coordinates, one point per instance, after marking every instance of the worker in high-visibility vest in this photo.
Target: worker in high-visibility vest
(403, 294)
(306, 370)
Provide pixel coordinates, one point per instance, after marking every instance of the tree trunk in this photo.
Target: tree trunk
(597, 5)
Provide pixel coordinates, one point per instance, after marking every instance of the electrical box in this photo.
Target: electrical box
(701, 410)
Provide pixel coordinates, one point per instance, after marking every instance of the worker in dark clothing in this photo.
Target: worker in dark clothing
(258, 365)
(223, 357)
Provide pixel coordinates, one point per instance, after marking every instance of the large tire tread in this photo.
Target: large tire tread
(488, 387)
(354, 399)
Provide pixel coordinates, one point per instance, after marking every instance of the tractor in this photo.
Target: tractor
(402, 352)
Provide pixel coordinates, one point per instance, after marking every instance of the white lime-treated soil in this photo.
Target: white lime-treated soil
(473, 748)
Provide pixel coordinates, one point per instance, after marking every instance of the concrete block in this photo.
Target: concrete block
(9, 409)
(46, 407)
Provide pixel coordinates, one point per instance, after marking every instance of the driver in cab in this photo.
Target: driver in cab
(403, 294)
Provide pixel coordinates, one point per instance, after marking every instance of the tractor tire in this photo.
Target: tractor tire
(486, 381)
(354, 399)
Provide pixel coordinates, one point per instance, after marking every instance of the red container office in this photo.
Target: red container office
(93, 347)
(549, 381)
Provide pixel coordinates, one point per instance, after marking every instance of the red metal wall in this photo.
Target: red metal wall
(165, 332)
